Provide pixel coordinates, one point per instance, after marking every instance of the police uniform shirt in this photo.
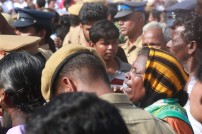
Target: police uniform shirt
(132, 51)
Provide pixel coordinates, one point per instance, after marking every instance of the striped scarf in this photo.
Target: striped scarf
(164, 76)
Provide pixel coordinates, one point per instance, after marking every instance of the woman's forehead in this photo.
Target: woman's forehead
(140, 61)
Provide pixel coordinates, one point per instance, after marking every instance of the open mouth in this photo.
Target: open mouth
(122, 29)
(126, 88)
(109, 54)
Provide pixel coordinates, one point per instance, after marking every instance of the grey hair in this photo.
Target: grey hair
(158, 25)
(154, 24)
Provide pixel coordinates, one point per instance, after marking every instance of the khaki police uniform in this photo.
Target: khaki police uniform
(132, 51)
(75, 36)
(30, 17)
(126, 8)
(137, 120)
(15, 43)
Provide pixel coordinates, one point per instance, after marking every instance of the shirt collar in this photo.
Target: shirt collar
(125, 67)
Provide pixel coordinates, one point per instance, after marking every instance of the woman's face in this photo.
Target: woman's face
(134, 80)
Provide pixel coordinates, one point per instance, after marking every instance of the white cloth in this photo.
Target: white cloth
(16, 130)
(190, 85)
(8, 6)
(197, 126)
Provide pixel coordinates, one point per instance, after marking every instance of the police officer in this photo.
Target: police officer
(31, 22)
(179, 9)
(131, 20)
(15, 43)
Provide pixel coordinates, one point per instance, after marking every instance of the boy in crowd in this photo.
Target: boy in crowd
(104, 38)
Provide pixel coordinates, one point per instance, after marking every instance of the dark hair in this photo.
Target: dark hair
(92, 11)
(20, 78)
(199, 73)
(193, 28)
(61, 31)
(85, 67)
(112, 10)
(104, 29)
(49, 1)
(41, 3)
(156, 14)
(65, 20)
(77, 113)
(74, 20)
(68, 3)
(48, 29)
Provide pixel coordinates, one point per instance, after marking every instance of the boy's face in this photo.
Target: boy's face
(106, 49)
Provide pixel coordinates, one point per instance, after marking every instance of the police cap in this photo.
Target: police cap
(178, 9)
(127, 7)
(27, 17)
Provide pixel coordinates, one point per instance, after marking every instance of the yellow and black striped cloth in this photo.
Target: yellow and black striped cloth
(164, 74)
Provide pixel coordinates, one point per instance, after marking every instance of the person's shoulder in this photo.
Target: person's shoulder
(135, 113)
(46, 53)
(136, 119)
(67, 39)
(140, 121)
(123, 65)
(179, 125)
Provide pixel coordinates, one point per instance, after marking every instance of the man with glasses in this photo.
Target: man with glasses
(131, 20)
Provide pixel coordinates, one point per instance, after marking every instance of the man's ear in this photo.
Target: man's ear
(42, 33)
(69, 85)
(91, 44)
(192, 46)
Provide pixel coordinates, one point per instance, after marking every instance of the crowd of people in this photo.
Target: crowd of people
(98, 66)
